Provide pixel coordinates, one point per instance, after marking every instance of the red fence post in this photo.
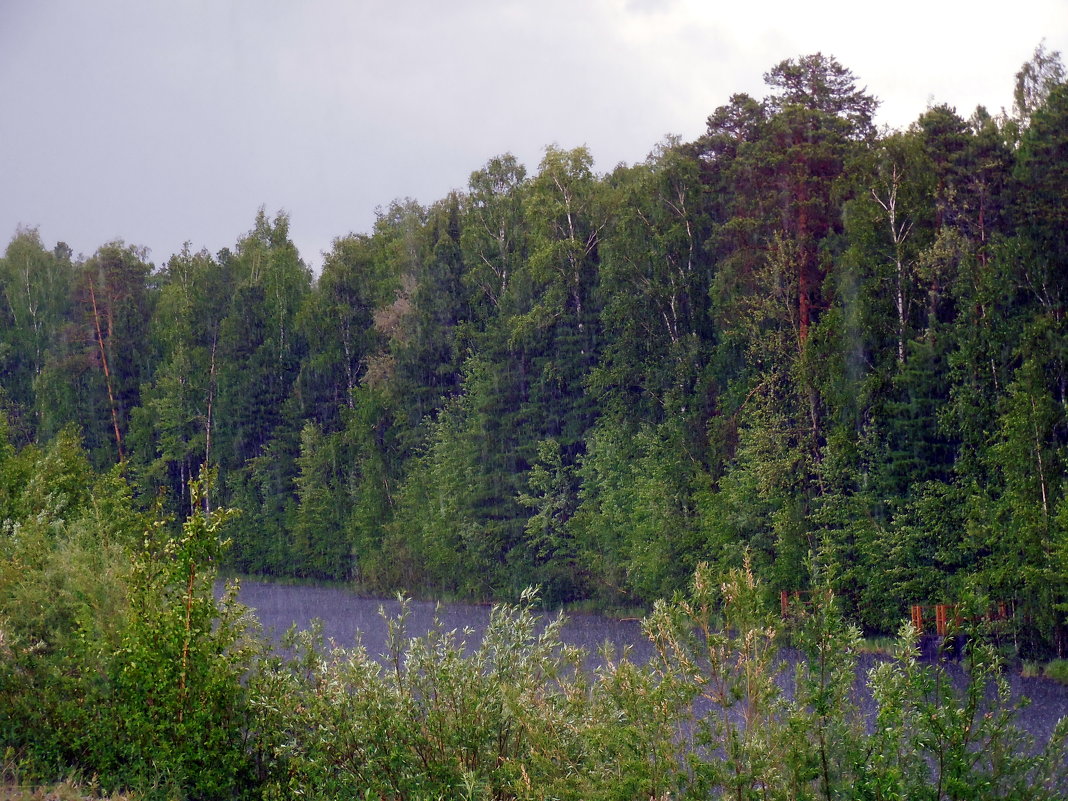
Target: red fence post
(940, 619)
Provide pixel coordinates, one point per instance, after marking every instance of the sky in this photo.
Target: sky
(166, 123)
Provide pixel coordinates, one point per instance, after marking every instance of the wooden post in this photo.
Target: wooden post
(917, 618)
(940, 620)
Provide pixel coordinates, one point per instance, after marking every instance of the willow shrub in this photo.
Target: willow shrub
(509, 715)
(760, 726)
(764, 726)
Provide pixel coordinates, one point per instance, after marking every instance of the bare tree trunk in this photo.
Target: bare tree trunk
(899, 232)
(1041, 464)
(107, 372)
(208, 424)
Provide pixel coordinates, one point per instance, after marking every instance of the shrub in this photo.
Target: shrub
(116, 662)
(511, 716)
(175, 694)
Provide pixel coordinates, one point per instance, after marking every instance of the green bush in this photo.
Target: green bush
(64, 572)
(511, 717)
(118, 663)
(175, 692)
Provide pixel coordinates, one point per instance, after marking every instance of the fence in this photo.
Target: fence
(945, 616)
(798, 600)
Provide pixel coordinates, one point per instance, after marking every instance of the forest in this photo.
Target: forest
(836, 351)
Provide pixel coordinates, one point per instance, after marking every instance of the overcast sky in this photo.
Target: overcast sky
(162, 122)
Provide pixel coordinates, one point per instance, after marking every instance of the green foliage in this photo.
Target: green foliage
(321, 541)
(1035, 80)
(118, 662)
(932, 737)
(176, 676)
(729, 666)
(635, 509)
(35, 290)
(455, 511)
(336, 320)
(934, 740)
(63, 574)
(509, 715)
(549, 545)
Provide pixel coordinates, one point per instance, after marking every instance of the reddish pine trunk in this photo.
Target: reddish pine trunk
(107, 372)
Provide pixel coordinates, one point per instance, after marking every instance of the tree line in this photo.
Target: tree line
(837, 349)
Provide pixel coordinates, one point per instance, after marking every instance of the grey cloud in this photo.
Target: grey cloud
(162, 123)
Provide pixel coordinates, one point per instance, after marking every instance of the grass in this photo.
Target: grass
(15, 785)
(591, 607)
(878, 645)
(64, 791)
(1031, 670)
(1057, 670)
